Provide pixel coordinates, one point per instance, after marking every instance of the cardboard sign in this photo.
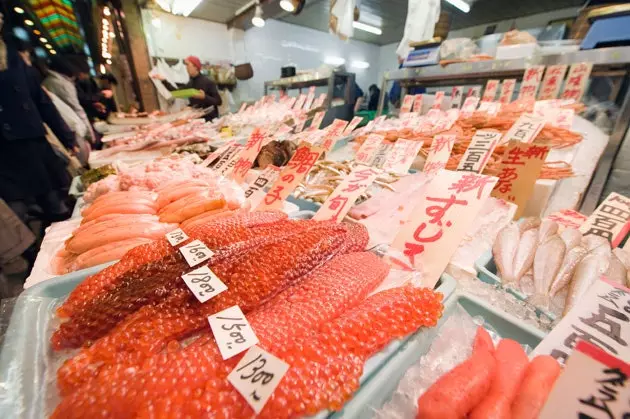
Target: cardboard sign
(216, 153)
(352, 125)
(195, 252)
(593, 384)
(333, 133)
(525, 129)
(417, 103)
(531, 81)
(490, 93)
(601, 317)
(367, 151)
(456, 97)
(474, 91)
(290, 177)
(242, 108)
(319, 102)
(343, 197)
(552, 81)
(507, 90)
(575, 83)
(256, 376)
(310, 97)
(228, 155)
(518, 171)
(401, 156)
(567, 218)
(248, 155)
(255, 191)
(407, 104)
(232, 331)
(438, 223)
(610, 220)
(440, 151)
(204, 283)
(479, 151)
(470, 104)
(438, 99)
(299, 103)
(317, 120)
(176, 237)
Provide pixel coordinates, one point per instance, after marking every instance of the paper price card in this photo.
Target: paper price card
(243, 107)
(575, 83)
(333, 133)
(567, 218)
(204, 283)
(402, 155)
(561, 118)
(255, 191)
(257, 375)
(343, 197)
(518, 171)
(456, 97)
(232, 331)
(610, 219)
(525, 129)
(319, 102)
(436, 226)
(290, 177)
(248, 155)
(195, 252)
(317, 120)
(470, 104)
(479, 151)
(593, 384)
(552, 81)
(291, 102)
(368, 149)
(438, 99)
(176, 237)
(439, 152)
(507, 90)
(300, 120)
(474, 91)
(490, 93)
(309, 98)
(352, 125)
(216, 153)
(299, 103)
(531, 81)
(417, 103)
(228, 156)
(381, 155)
(601, 317)
(407, 104)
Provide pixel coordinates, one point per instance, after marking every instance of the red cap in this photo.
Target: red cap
(194, 61)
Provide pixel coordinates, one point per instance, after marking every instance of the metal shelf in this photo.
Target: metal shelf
(316, 80)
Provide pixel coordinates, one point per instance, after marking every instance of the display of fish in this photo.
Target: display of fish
(525, 253)
(547, 262)
(586, 273)
(564, 275)
(504, 251)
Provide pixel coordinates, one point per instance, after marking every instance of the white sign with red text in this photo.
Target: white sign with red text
(531, 81)
(401, 156)
(507, 90)
(479, 151)
(367, 151)
(439, 153)
(552, 81)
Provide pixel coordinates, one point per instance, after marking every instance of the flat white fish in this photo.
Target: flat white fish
(547, 229)
(624, 257)
(591, 241)
(528, 224)
(586, 273)
(525, 252)
(572, 237)
(616, 270)
(571, 259)
(547, 262)
(504, 250)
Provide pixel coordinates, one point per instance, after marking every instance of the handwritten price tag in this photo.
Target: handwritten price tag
(319, 102)
(479, 151)
(611, 220)
(299, 103)
(456, 97)
(525, 129)
(551, 83)
(232, 331)
(507, 90)
(576, 81)
(531, 81)
(439, 153)
(248, 155)
(567, 218)
(176, 237)
(310, 98)
(407, 104)
(470, 104)
(402, 155)
(257, 375)
(417, 103)
(491, 91)
(255, 191)
(368, 149)
(317, 121)
(437, 100)
(195, 252)
(204, 283)
(352, 125)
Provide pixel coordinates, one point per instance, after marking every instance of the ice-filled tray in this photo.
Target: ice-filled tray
(380, 387)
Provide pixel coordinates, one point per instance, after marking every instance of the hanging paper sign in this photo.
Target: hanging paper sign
(567, 218)
(525, 129)
(560, 117)
(575, 83)
(229, 155)
(610, 220)
(381, 155)
(309, 98)
(474, 91)
(216, 153)
(319, 102)
(290, 177)
(195, 252)
(593, 384)
(479, 151)
(440, 151)
(456, 97)
(470, 104)
(284, 129)
(531, 81)
(256, 376)
(176, 237)
(352, 125)
(437, 100)
(291, 102)
(401, 156)
(243, 107)
(248, 155)
(484, 106)
(204, 283)
(601, 318)
(552, 81)
(232, 331)
(255, 191)
(299, 103)
(407, 104)
(518, 171)
(490, 93)
(417, 103)
(507, 90)
(343, 197)
(333, 134)
(365, 154)
(317, 120)
(439, 222)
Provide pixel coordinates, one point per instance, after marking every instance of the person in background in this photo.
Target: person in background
(15, 239)
(91, 97)
(208, 95)
(374, 94)
(107, 83)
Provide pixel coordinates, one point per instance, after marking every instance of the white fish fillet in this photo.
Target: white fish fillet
(586, 273)
(572, 237)
(547, 229)
(525, 252)
(571, 259)
(504, 250)
(547, 262)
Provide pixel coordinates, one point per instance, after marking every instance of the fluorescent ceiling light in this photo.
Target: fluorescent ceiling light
(460, 4)
(184, 7)
(18, 10)
(368, 28)
(360, 64)
(287, 5)
(332, 60)
(48, 46)
(44, 40)
(29, 22)
(258, 20)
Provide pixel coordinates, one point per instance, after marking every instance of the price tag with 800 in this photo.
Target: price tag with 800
(232, 331)
(195, 252)
(257, 376)
(204, 283)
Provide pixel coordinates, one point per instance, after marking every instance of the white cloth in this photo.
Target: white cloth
(422, 15)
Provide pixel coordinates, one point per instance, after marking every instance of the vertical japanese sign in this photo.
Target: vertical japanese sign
(333, 133)
(407, 104)
(552, 81)
(474, 91)
(255, 191)
(437, 100)
(507, 90)
(300, 120)
(417, 103)
(381, 155)
(290, 102)
(248, 155)
(319, 102)
(567, 218)
(299, 103)
(317, 120)
(490, 93)
(216, 153)
(594, 384)
(401, 156)
(525, 129)
(601, 318)
(470, 104)
(227, 155)
(479, 151)
(456, 97)
(561, 118)
(352, 125)
(438, 223)
(296, 169)
(610, 220)
(310, 97)
(440, 151)
(531, 81)
(518, 172)
(343, 197)
(575, 84)
(367, 151)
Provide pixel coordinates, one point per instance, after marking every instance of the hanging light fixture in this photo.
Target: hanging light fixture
(258, 19)
(18, 10)
(287, 5)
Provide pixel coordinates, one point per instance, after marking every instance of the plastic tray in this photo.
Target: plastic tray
(379, 389)
(487, 272)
